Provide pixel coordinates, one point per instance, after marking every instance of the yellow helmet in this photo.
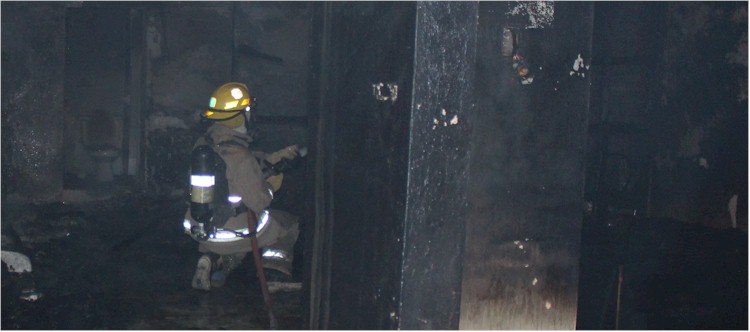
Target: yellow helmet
(227, 104)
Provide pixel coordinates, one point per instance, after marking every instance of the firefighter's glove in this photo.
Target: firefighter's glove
(289, 152)
(275, 182)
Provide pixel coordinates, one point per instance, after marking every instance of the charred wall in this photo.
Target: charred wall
(132, 77)
(443, 116)
(366, 142)
(192, 48)
(396, 114)
(667, 154)
(526, 183)
(33, 57)
(423, 127)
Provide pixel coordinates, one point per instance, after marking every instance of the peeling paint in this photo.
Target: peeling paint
(541, 13)
(16, 261)
(454, 121)
(391, 93)
(443, 119)
(579, 67)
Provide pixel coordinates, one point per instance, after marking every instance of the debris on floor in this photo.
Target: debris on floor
(123, 263)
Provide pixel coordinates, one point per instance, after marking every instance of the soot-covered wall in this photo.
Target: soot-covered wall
(365, 142)
(396, 110)
(133, 76)
(192, 48)
(526, 183)
(33, 58)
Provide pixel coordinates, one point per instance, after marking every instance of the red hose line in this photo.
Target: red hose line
(252, 223)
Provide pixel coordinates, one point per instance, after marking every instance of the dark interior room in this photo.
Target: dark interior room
(432, 165)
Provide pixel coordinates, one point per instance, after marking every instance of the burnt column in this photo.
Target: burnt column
(393, 153)
(436, 203)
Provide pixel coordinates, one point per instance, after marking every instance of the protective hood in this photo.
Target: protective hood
(218, 133)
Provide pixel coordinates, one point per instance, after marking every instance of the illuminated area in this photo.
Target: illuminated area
(203, 181)
(234, 199)
(231, 104)
(224, 235)
(271, 253)
(237, 93)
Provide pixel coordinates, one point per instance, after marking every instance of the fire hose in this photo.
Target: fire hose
(252, 222)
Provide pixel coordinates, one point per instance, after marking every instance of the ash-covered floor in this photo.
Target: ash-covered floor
(124, 263)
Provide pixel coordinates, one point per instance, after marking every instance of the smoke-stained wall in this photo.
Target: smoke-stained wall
(396, 106)
(188, 54)
(702, 114)
(365, 141)
(33, 57)
(667, 167)
(526, 184)
(97, 59)
(192, 48)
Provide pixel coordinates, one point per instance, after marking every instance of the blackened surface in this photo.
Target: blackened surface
(96, 67)
(32, 97)
(675, 275)
(271, 54)
(527, 175)
(319, 233)
(124, 264)
(703, 115)
(668, 139)
(370, 43)
(626, 89)
(441, 121)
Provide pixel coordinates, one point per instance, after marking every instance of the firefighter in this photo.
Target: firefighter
(217, 217)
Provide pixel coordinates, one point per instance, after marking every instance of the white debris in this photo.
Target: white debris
(31, 296)
(548, 305)
(535, 281)
(454, 121)
(579, 67)
(16, 262)
(540, 13)
(578, 63)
